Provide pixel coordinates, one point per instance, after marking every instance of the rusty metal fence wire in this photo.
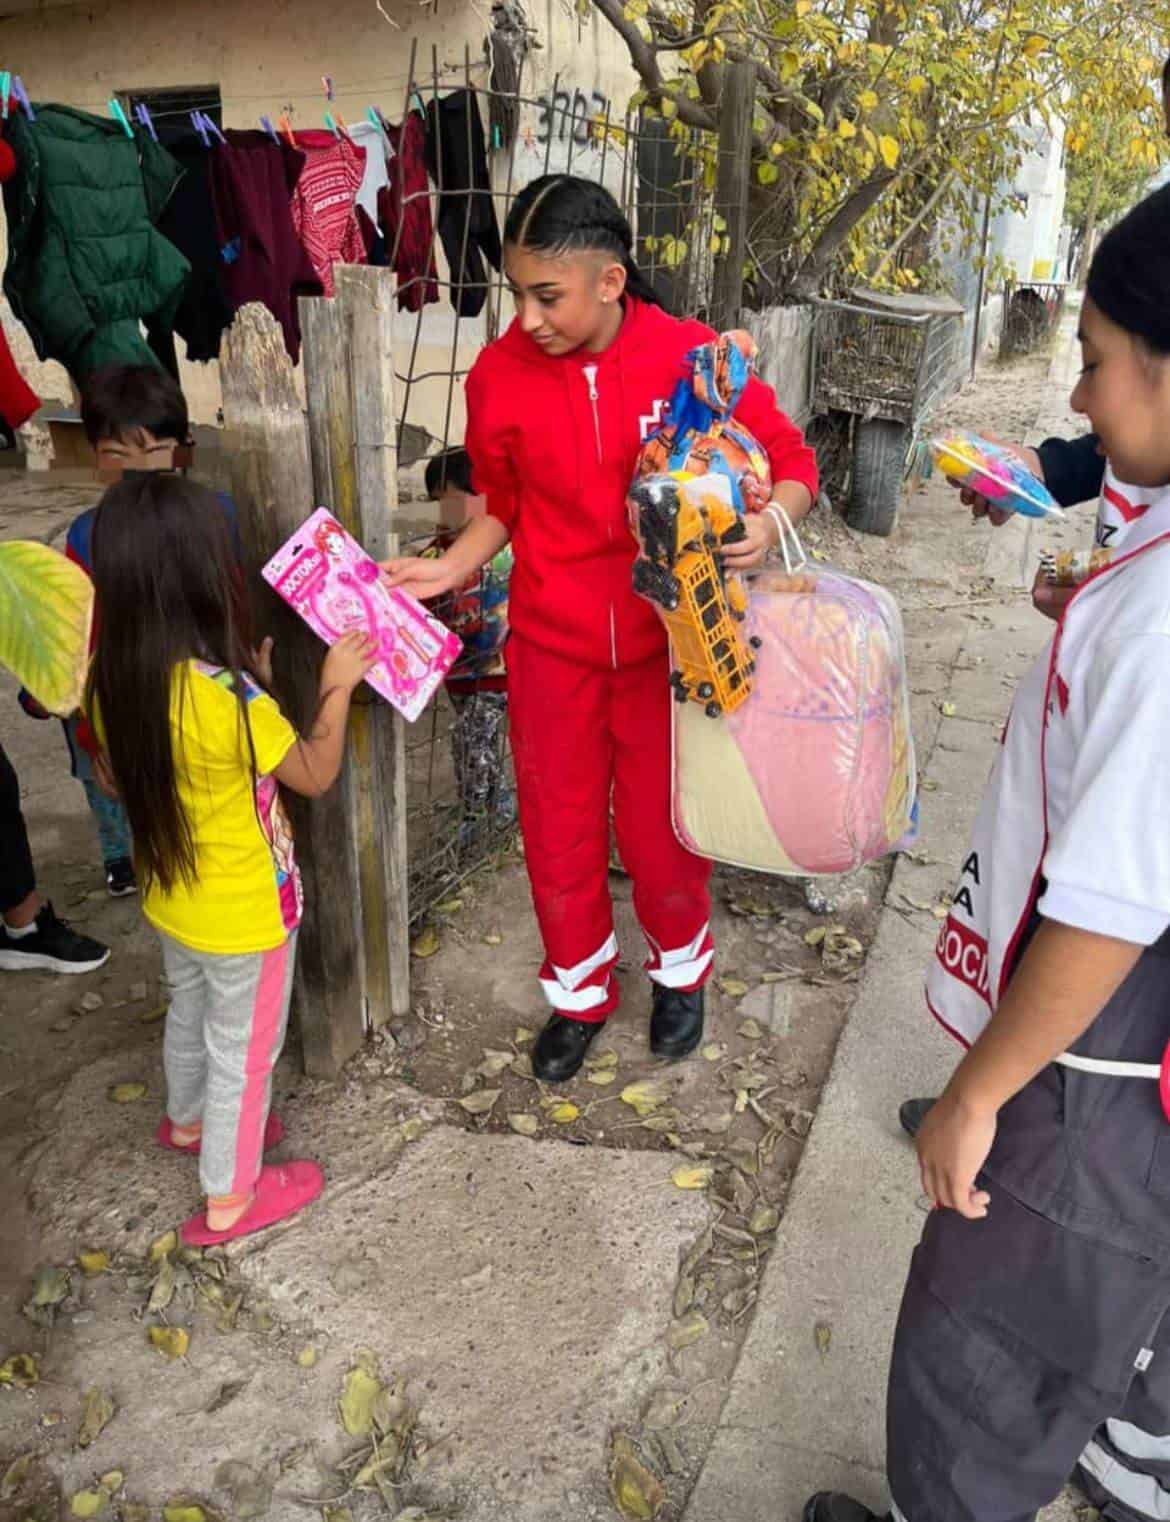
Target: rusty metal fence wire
(461, 799)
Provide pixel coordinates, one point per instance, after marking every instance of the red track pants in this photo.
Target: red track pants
(582, 737)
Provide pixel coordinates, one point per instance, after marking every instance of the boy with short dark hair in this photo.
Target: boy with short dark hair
(135, 418)
(477, 686)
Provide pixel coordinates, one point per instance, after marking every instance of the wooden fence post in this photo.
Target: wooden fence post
(732, 184)
(349, 380)
(272, 482)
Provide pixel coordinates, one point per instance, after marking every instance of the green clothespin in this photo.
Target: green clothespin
(331, 124)
(120, 116)
(373, 118)
(5, 92)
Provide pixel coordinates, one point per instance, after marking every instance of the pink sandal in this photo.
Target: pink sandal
(273, 1135)
(281, 1191)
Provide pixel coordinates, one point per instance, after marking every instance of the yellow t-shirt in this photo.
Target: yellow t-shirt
(247, 894)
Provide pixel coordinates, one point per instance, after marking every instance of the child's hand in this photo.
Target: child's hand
(953, 1145)
(350, 660)
(419, 576)
(1050, 600)
(262, 661)
(759, 536)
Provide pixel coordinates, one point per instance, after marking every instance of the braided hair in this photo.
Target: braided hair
(561, 214)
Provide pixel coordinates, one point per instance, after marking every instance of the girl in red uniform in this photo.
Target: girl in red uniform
(558, 409)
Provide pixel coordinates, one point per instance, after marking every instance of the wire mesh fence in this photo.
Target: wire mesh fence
(454, 297)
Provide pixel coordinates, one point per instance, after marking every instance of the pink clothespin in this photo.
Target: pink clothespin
(327, 85)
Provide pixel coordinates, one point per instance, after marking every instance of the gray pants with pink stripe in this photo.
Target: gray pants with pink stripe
(225, 1028)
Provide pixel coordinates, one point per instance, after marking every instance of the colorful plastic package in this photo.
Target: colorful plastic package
(329, 580)
(993, 472)
(814, 773)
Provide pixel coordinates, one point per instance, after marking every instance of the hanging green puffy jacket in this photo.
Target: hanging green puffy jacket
(86, 263)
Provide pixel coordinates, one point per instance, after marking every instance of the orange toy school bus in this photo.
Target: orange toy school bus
(679, 523)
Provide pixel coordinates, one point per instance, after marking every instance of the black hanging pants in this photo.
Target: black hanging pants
(457, 162)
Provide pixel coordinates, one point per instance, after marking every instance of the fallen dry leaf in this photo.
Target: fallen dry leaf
(763, 1219)
(948, 710)
(93, 1263)
(19, 1371)
(602, 1077)
(734, 988)
(89, 1503)
(171, 1341)
(715, 1121)
(494, 1062)
(163, 1246)
(50, 1286)
(644, 1097)
(15, 1476)
(163, 1290)
(155, 1012)
(663, 1120)
(308, 1356)
(692, 1178)
(126, 1093)
(359, 1397)
(449, 906)
(426, 943)
(663, 1411)
(224, 1396)
(689, 1330)
(133, 1511)
(183, 1511)
(113, 1481)
(636, 1492)
(522, 1035)
(713, 1051)
(563, 1113)
(823, 1334)
(750, 1029)
(97, 1411)
(481, 1103)
(606, 1058)
(523, 1123)
(493, 938)
(815, 936)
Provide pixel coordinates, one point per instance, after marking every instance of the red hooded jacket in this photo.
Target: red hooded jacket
(554, 441)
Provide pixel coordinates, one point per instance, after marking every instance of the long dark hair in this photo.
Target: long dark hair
(1129, 279)
(168, 590)
(561, 214)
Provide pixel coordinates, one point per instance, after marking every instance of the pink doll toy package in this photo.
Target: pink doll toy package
(329, 580)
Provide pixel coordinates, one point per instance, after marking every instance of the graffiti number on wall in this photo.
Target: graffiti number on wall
(576, 112)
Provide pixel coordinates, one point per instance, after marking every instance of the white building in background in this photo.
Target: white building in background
(1027, 235)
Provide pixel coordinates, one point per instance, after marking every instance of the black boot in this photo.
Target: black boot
(913, 1113)
(835, 1506)
(676, 1026)
(561, 1046)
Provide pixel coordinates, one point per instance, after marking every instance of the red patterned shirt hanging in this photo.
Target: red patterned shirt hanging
(324, 208)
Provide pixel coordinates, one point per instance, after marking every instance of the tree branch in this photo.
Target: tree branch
(644, 57)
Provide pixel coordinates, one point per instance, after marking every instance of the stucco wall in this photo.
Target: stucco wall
(270, 58)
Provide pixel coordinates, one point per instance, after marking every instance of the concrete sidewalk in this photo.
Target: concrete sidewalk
(806, 1407)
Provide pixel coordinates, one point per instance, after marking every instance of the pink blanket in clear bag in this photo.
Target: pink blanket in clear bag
(814, 774)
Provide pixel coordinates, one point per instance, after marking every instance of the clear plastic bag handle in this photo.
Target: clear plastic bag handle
(789, 546)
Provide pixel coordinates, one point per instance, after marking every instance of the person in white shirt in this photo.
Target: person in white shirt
(1034, 1336)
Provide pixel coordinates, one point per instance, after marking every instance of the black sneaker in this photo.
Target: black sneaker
(835, 1506)
(913, 1113)
(676, 1024)
(120, 879)
(52, 947)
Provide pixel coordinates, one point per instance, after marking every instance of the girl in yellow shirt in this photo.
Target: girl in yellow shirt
(196, 747)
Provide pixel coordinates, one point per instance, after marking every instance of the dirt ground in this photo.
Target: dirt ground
(239, 1430)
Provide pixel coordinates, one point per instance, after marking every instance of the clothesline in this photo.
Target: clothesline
(449, 73)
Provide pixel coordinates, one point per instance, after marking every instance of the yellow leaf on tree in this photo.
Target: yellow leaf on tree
(767, 174)
(846, 129)
(803, 7)
(918, 84)
(889, 150)
(1034, 46)
(867, 100)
